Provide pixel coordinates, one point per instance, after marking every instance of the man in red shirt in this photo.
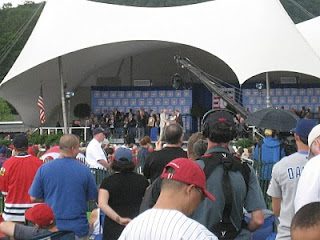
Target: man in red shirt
(16, 177)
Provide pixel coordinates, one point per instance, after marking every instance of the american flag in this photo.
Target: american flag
(41, 106)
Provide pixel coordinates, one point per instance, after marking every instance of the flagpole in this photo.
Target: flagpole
(63, 102)
(40, 124)
(42, 116)
(268, 90)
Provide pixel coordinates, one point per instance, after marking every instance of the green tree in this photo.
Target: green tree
(11, 22)
(5, 112)
(7, 5)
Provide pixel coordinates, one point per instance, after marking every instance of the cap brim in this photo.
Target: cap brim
(293, 130)
(209, 195)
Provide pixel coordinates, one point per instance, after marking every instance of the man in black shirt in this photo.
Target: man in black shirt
(157, 160)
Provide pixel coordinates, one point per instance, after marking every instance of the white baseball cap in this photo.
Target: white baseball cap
(315, 133)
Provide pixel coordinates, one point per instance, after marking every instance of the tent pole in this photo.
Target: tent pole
(131, 70)
(65, 128)
(268, 90)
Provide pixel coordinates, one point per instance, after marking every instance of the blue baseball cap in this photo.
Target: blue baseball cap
(123, 155)
(304, 127)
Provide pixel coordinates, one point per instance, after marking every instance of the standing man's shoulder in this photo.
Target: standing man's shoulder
(312, 167)
(92, 144)
(155, 154)
(36, 160)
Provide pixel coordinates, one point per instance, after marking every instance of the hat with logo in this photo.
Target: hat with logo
(313, 135)
(97, 131)
(219, 116)
(187, 171)
(304, 127)
(123, 155)
(20, 141)
(40, 214)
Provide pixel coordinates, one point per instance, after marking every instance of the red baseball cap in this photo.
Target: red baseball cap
(40, 214)
(187, 171)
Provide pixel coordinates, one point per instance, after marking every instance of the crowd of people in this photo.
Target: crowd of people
(130, 125)
(163, 192)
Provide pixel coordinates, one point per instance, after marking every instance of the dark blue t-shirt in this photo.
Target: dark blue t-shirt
(66, 185)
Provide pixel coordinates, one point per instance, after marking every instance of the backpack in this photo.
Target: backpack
(225, 229)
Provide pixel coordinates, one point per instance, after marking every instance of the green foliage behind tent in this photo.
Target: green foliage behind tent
(5, 111)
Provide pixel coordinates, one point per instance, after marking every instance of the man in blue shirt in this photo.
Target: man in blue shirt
(66, 185)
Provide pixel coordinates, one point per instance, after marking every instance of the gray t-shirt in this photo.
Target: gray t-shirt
(209, 213)
(283, 184)
(25, 232)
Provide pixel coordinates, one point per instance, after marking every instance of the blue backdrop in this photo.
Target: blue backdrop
(255, 99)
(148, 99)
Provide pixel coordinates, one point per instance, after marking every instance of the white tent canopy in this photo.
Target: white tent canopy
(250, 36)
(310, 30)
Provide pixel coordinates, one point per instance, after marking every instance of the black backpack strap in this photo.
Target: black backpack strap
(211, 161)
(225, 229)
(243, 168)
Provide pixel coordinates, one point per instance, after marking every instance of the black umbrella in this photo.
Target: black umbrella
(272, 118)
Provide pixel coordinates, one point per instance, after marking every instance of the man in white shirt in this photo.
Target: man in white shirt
(163, 120)
(182, 190)
(309, 184)
(95, 156)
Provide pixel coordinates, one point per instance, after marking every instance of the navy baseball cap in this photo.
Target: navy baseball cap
(123, 155)
(304, 127)
(98, 130)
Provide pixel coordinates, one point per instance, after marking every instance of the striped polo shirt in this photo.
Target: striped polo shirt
(165, 224)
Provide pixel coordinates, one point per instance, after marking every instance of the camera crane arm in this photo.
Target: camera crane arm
(210, 84)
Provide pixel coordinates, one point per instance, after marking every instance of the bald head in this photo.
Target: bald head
(69, 145)
(173, 134)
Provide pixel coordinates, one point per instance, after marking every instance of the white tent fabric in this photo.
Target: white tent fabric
(310, 30)
(250, 36)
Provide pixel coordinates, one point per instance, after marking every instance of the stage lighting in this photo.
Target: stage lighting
(259, 86)
(69, 94)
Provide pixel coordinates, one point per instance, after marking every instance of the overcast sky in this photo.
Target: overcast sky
(16, 2)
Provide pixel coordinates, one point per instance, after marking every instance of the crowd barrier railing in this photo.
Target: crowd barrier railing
(263, 171)
(55, 130)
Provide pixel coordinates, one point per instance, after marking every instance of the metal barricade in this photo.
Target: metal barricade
(263, 171)
(99, 175)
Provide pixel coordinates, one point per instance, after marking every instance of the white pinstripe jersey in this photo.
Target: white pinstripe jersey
(156, 224)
